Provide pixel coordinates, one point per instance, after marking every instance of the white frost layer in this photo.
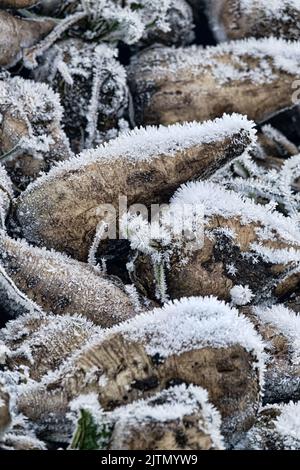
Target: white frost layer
(195, 322)
(4, 351)
(6, 194)
(88, 402)
(135, 20)
(219, 201)
(272, 184)
(288, 425)
(5, 182)
(169, 405)
(287, 322)
(142, 144)
(33, 101)
(283, 11)
(271, 55)
(241, 295)
(271, 8)
(28, 333)
(97, 292)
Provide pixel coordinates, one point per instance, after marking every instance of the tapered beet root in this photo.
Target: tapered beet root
(62, 285)
(238, 19)
(253, 77)
(64, 208)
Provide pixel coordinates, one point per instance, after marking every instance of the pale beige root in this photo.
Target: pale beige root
(64, 209)
(233, 19)
(16, 34)
(41, 343)
(31, 134)
(179, 418)
(152, 352)
(244, 244)
(277, 428)
(62, 285)
(5, 417)
(6, 196)
(249, 77)
(280, 329)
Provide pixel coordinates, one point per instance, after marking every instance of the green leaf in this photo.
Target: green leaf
(90, 435)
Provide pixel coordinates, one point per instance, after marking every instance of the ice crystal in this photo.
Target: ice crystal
(277, 185)
(241, 295)
(288, 425)
(226, 203)
(286, 322)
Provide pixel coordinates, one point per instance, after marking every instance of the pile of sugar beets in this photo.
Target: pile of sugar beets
(118, 338)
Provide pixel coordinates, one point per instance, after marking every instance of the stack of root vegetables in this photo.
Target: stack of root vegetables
(141, 335)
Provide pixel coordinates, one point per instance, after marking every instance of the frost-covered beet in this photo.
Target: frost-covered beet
(280, 328)
(199, 341)
(62, 285)
(166, 21)
(238, 19)
(277, 428)
(131, 21)
(63, 209)
(92, 88)
(111, 21)
(252, 77)
(5, 417)
(16, 34)
(13, 301)
(180, 418)
(247, 250)
(43, 342)
(6, 195)
(31, 136)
